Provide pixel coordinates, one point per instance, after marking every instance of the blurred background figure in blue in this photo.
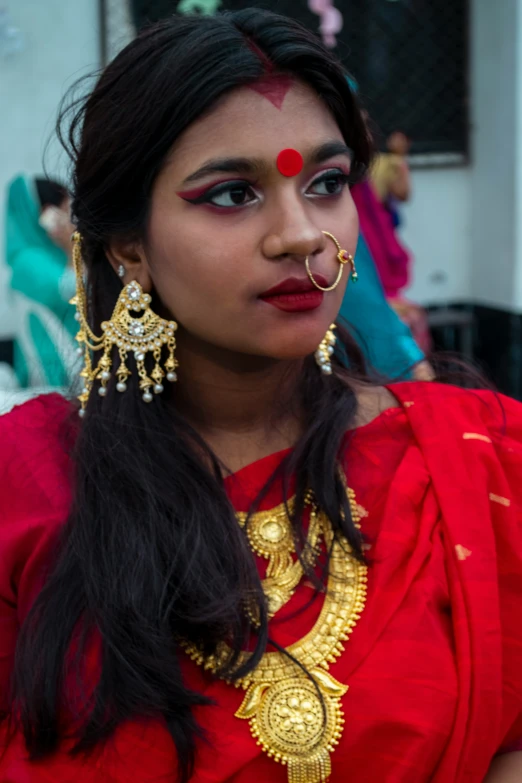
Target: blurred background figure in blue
(38, 253)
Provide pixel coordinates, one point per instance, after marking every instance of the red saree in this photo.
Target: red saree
(434, 666)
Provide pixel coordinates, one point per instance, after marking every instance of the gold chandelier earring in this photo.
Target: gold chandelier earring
(343, 258)
(127, 333)
(323, 355)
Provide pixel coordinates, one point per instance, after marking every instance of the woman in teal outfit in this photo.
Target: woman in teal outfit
(386, 342)
(38, 231)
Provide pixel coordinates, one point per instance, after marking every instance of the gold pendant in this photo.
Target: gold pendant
(270, 536)
(297, 719)
(297, 722)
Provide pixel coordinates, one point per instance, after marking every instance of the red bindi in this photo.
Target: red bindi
(290, 163)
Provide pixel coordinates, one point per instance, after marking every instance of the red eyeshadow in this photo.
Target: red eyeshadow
(197, 192)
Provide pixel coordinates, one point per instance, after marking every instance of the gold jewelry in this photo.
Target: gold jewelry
(298, 719)
(128, 334)
(270, 535)
(323, 355)
(343, 257)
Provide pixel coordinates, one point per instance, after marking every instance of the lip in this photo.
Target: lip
(296, 303)
(294, 285)
(295, 295)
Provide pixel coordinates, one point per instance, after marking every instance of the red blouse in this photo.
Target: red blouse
(434, 666)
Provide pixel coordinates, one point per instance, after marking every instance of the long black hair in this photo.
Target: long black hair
(50, 192)
(152, 553)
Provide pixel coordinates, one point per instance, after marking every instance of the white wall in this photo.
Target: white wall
(497, 147)
(465, 225)
(518, 166)
(437, 227)
(61, 43)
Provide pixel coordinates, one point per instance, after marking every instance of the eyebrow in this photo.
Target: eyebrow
(330, 150)
(254, 166)
(227, 165)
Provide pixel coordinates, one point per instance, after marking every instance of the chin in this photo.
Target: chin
(289, 353)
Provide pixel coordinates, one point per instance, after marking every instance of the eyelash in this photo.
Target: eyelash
(226, 187)
(343, 178)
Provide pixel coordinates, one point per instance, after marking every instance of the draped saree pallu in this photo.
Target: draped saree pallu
(426, 669)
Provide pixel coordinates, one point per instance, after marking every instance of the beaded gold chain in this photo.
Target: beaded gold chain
(295, 713)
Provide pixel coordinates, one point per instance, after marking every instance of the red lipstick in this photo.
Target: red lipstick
(295, 295)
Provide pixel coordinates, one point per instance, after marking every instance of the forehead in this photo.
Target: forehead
(247, 124)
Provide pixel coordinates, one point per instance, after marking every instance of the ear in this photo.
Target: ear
(132, 257)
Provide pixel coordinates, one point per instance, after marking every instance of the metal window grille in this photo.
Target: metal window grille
(409, 57)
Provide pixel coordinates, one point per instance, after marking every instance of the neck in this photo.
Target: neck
(244, 407)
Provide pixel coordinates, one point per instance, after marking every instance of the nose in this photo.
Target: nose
(293, 234)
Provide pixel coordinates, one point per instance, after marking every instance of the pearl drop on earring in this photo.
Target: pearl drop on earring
(325, 351)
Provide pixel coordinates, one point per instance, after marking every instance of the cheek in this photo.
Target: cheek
(350, 227)
(195, 270)
(353, 217)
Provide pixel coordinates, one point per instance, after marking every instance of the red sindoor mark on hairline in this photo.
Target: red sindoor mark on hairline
(274, 87)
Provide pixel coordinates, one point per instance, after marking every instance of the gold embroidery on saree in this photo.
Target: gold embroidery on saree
(499, 499)
(476, 436)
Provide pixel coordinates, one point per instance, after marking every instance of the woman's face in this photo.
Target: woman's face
(226, 226)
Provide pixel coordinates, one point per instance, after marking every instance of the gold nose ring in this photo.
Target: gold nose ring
(343, 257)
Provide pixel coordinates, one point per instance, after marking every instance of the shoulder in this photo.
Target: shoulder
(490, 406)
(371, 402)
(39, 423)
(35, 490)
(466, 414)
(35, 456)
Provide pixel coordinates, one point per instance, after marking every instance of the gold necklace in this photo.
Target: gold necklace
(270, 535)
(297, 717)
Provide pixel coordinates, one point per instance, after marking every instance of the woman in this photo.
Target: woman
(391, 259)
(390, 173)
(38, 250)
(149, 546)
(384, 339)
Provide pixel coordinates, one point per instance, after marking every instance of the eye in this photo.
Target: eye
(231, 194)
(331, 183)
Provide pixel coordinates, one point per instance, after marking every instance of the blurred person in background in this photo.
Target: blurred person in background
(390, 173)
(38, 251)
(386, 342)
(391, 258)
(379, 249)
